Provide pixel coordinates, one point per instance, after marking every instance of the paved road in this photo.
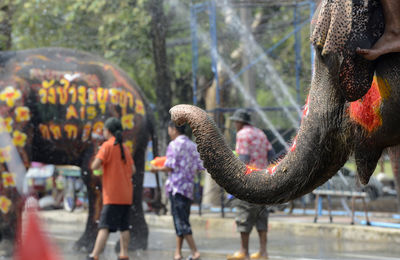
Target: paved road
(215, 244)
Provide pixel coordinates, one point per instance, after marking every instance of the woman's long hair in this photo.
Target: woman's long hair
(114, 125)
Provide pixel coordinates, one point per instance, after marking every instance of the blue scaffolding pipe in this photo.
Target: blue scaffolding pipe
(312, 10)
(194, 10)
(232, 109)
(297, 47)
(272, 48)
(210, 6)
(213, 49)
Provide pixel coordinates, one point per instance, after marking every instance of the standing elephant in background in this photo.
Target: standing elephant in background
(344, 114)
(53, 104)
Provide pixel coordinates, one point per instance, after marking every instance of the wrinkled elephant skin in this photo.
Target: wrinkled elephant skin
(335, 123)
(53, 104)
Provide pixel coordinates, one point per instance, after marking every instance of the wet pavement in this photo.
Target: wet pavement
(217, 240)
(216, 245)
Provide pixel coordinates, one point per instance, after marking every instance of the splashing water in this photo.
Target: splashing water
(204, 37)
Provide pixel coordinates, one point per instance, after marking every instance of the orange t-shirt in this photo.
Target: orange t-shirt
(117, 174)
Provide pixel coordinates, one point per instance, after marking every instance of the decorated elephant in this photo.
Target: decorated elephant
(344, 114)
(53, 104)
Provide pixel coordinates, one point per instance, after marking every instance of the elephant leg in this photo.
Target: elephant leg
(88, 238)
(16, 160)
(139, 231)
(366, 161)
(93, 185)
(394, 154)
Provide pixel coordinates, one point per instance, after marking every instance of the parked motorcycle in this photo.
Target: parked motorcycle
(74, 188)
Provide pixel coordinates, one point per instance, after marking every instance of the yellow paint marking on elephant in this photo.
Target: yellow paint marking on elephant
(71, 130)
(86, 131)
(55, 131)
(39, 57)
(127, 121)
(384, 87)
(6, 124)
(129, 145)
(5, 155)
(8, 179)
(22, 114)
(5, 204)
(44, 130)
(71, 113)
(10, 95)
(19, 138)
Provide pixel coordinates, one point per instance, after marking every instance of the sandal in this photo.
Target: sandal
(258, 256)
(236, 256)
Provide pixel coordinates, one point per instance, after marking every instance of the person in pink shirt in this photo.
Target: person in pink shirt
(252, 147)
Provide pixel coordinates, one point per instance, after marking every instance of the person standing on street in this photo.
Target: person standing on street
(118, 169)
(182, 163)
(252, 147)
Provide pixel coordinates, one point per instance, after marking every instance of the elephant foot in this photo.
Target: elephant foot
(84, 244)
(389, 42)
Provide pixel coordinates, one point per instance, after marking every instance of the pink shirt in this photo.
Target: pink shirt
(252, 141)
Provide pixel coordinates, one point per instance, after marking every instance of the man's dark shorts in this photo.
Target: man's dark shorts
(115, 217)
(249, 215)
(180, 210)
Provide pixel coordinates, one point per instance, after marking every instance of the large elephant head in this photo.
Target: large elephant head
(332, 128)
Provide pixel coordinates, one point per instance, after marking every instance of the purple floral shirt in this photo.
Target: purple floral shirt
(184, 160)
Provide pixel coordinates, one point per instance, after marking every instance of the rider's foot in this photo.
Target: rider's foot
(389, 42)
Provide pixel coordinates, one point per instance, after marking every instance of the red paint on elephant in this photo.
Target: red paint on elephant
(366, 111)
(272, 170)
(250, 169)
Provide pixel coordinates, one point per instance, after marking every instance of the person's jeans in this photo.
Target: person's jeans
(180, 210)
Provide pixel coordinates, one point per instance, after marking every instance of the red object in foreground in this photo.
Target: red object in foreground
(159, 161)
(34, 243)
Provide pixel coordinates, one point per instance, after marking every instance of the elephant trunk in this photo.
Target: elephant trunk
(320, 148)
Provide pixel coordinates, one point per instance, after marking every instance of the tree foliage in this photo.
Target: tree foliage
(121, 32)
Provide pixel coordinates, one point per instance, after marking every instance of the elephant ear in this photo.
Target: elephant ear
(340, 27)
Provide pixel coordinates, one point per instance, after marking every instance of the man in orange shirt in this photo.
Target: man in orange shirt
(118, 168)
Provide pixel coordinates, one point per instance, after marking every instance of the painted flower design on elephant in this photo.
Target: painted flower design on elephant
(19, 138)
(127, 121)
(8, 179)
(5, 155)
(10, 95)
(129, 145)
(139, 107)
(6, 124)
(22, 114)
(5, 204)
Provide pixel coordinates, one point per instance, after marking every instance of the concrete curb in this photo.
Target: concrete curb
(339, 231)
(218, 224)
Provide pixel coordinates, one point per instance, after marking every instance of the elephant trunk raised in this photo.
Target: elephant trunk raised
(304, 168)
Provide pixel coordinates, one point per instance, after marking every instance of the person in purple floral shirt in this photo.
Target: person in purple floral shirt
(182, 163)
